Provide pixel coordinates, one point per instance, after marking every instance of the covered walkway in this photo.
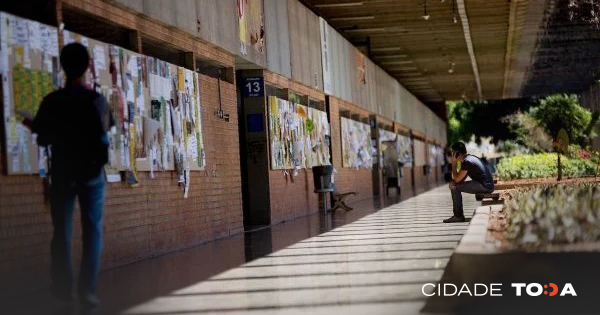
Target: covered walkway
(376, 264)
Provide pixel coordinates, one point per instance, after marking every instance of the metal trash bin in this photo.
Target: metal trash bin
(322, 178)
(427, 169)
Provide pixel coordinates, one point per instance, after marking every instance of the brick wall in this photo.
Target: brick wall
(421, 181)
(406, 181)
(347, 179)
(139, 223)
(292, 197)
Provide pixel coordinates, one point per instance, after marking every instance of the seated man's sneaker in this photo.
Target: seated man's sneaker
(455, 219)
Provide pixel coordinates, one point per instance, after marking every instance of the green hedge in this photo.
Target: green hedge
(541, 166)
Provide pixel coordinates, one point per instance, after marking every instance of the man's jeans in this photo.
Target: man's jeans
(470, 187)
(91, 202)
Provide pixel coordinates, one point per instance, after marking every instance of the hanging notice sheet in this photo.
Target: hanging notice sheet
(404, 150)
(356, 144)
(299, 135)
(187, 121)
(29, 71)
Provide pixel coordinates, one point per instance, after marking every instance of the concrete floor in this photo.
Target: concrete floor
(359, 262)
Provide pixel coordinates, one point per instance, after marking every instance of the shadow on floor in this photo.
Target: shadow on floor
(124, 287)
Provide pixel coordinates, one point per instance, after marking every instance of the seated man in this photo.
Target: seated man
(464, 165)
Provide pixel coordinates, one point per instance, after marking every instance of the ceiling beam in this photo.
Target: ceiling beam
(510, 42)
(462, 12)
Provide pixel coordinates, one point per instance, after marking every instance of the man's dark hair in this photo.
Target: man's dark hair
(75, 60)
(459, 147)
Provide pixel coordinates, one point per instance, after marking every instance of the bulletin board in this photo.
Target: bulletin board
(356, 144)
(433, 160)
(116, 73)
(187, 121)
(29, 68)
(441, 156)
(156, 107)
(299, 135)
(385, 136)
(404, 146)
(319, 138)
(436, 155)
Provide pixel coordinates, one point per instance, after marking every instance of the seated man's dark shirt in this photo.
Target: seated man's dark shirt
(478, 171)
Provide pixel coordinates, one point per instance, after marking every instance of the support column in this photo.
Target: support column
(58, 16)
(135, 41)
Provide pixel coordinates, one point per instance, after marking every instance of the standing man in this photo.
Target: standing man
(464, 165)
(74, 122)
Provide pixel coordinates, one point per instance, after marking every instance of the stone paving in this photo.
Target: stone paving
(376, 265)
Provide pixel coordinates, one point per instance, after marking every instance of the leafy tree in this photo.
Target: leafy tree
(528, 133)
(482, 119)
(566, 121)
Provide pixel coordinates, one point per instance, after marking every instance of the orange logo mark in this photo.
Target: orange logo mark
(554, 289)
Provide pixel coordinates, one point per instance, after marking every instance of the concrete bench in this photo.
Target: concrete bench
(494, 196)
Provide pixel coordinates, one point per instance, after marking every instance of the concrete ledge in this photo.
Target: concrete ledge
(474, 240)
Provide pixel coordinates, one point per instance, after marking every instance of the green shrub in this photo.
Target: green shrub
(541, 166)
(554, 214)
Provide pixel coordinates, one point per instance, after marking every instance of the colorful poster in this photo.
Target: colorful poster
(299, 135)
(361, 68)
(320, 137)
(187, 121)
(357, 150)
(251, 25)
(27, 59)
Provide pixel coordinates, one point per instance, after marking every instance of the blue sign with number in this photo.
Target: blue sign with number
(254, 87)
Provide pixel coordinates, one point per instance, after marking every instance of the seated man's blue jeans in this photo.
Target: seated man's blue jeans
(91, 202)
(470, 187)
